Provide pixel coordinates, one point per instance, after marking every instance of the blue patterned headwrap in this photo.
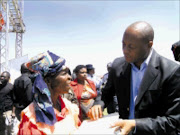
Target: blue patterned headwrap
(44, 64)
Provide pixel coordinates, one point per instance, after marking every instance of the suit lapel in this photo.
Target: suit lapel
(125, 83)
(149, 76)
(126, 71)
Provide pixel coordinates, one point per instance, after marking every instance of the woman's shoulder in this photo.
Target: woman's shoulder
(29, 110)
(90, 81)
(72, 107)
(92, 84)
(29, 113)
(29, 125)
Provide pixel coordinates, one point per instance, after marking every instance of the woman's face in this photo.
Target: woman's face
(61, 83)
(82, 74)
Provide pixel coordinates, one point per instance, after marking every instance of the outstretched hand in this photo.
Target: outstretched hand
(124, 126)
(95, 112)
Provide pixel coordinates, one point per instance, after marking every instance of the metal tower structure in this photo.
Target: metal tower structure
(10, 21)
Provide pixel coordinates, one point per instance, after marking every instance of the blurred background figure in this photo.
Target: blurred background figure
(105, 76)
(176, 50)
(73, 75)
(91, 76)
(6, 104)
(113, 106)
(22, 92)
(90, 104)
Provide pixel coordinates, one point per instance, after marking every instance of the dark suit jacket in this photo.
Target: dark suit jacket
(157, 107)
(22, 92)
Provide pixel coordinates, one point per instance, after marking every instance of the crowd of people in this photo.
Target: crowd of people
(143, 87)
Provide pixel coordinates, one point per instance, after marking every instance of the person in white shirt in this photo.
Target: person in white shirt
(105, 76)
(91, 76)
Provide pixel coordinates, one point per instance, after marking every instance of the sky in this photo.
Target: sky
(90, 32)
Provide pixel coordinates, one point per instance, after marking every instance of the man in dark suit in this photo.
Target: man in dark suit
(22, 92)
(6, 104)
(147, 86)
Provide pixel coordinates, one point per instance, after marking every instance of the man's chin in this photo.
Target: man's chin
(128, 60)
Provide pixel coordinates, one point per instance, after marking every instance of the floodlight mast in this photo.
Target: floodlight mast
(11, 21)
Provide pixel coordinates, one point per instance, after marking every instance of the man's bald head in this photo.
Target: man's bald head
(144, 30)
(137, 42)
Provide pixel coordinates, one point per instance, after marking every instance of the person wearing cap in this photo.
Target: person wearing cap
(49, 113)
(22, 91)
(91, 76)
(176, 50)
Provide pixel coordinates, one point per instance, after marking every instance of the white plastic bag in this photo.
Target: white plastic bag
(14, 125)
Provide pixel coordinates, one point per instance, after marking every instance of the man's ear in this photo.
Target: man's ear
(150, 44)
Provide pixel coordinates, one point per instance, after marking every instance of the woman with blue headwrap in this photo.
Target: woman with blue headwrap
(49, 113)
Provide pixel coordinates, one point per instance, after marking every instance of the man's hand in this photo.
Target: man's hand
(125, 126)
(95, 112)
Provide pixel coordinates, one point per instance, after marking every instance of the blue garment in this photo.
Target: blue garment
(136, 78)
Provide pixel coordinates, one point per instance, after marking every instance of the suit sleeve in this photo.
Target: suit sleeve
(108, 91)
(169, 123)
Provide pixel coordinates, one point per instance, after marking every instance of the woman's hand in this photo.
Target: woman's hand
(124, 126)
(95, 112)
(77, 120)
